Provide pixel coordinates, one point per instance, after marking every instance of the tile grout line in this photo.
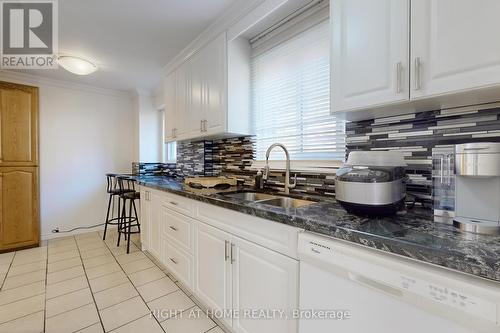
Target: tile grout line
(27, 315)
(22, 299)
(90, 288)
(195, 300)
(79, 307)
(192, 297)
(146, 303)
(7, 272)
(27, 284)
(45, 287)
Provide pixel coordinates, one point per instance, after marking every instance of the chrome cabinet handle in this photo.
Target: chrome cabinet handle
(232, 254)
(399, 68)
(174, 203)
(226, 254)
(201, 126)
(173, 228)
(205, 124)
(173, 260)
(418, 73)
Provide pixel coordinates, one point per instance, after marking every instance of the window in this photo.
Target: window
(170, 152)
(291, 98)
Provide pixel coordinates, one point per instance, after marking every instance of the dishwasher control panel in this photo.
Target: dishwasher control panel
(457, 299)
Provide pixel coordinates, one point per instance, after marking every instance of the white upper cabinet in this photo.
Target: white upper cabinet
(182, 101)
(369, 54)
(454, 46)
(170, 106)
(201, 95)
(453, 58)
(214, 83)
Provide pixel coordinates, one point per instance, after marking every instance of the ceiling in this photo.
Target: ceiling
(130, 40)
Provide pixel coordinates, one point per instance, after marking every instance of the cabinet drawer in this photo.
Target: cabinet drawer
(178, 203)
(179, 228)
(273, 235)
(178, 262)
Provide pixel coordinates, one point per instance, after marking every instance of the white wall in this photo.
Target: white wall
(149, 128)
(84, 133)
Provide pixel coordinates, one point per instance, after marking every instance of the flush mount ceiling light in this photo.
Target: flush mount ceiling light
(76, 65)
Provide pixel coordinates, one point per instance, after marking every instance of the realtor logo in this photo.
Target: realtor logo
(28, 34)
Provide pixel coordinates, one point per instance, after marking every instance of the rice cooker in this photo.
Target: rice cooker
(372, 183)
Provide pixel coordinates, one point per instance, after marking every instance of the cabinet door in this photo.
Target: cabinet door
(370, 52)
(155, 223)
(170, 107)
(178, 262)
(214, 61)
(19, 225)
(263, 279)
(182, 98)
(454, 45)
(196, 94)
(212, 268)
(18, 125)
(145, 218)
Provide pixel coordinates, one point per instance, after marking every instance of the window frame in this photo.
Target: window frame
(323, 165)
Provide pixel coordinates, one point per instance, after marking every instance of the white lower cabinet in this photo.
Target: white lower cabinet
(228, 273)
(145, 218)
(179, 262)
(212, 266)
(245, 278)
(263, 280)
(155, 224)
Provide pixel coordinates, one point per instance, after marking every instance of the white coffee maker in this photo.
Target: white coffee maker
(477, 192)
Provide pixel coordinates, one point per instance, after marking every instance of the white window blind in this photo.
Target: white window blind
(291, 99)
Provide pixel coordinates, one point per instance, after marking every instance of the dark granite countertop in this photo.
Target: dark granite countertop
(412, 233)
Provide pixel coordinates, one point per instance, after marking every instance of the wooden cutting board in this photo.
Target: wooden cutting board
(209, 182)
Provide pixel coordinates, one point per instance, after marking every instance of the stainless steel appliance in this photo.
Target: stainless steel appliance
(443, 182)
(372, 182)
(477, 194)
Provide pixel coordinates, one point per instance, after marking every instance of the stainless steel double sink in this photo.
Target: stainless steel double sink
(269, 199)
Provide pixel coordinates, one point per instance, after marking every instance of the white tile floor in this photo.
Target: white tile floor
(82, 284)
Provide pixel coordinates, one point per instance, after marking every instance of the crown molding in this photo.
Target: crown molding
(238, 10)
(23, 78)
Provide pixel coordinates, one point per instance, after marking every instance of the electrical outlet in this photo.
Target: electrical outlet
(55, 230)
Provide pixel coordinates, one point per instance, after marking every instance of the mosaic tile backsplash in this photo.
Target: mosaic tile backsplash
(168, 169)
(417, 135)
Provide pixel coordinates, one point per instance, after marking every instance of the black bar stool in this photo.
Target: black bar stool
(127, 223)
(113, 191)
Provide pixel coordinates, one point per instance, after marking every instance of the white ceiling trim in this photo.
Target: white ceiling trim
(23, 78)
(237, 11)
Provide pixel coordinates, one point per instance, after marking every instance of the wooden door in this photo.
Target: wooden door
(369, 53)
(454, 46)
(18, 125)
(19, 221)
(264, 280)
(212, 268)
